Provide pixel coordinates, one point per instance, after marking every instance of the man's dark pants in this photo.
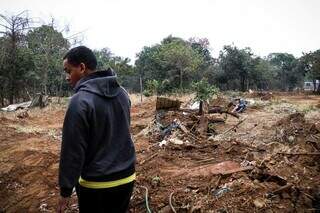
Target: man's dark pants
(109, 200)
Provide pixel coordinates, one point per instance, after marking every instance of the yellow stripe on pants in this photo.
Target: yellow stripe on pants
(107, 184)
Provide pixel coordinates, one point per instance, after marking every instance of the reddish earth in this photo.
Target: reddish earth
(200, 176)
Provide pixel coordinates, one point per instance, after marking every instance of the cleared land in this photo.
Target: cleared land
(269, 162)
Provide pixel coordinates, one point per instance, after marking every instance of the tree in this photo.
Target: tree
(207, 67)
(262, 75)
(285, 64)
(236, 65)
(48, 46)
(124, 70)
(309, 63)
(173, 60)
(204, 91)
(13, 29)
(180, 60)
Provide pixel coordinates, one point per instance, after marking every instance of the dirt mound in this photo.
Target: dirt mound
(292, 119)
(264, 96)
(219, 101)
(294, 126)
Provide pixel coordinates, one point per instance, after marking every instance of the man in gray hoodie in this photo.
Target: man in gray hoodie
(97, 152)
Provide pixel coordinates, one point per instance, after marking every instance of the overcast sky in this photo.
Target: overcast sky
(125, 26)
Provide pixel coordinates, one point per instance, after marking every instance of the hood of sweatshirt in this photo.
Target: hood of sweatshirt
(102, 83)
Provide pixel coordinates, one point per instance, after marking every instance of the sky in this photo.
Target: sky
(126, 26)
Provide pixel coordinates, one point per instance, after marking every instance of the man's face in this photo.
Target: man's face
(73, 73)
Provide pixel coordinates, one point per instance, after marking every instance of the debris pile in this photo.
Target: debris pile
(260, 160)
(295, 129)
(185, 125)
(38, 101)
(189, 166)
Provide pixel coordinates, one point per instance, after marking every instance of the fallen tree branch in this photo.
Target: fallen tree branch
(148, 158)
(221, 110)
(281, 189)
(235, 126)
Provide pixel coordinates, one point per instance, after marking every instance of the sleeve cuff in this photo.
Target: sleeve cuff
(65, 192)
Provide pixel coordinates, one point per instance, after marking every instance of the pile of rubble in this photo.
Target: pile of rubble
(296, 131)
(176, 125)
(188, 166)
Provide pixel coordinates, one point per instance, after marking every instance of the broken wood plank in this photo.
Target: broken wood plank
(241, 169)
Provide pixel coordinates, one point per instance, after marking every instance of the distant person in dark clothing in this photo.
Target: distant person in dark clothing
(97, 152)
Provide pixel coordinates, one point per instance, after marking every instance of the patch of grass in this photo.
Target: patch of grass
(27, 129)
(307, 109)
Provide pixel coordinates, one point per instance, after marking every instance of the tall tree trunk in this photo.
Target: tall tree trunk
(243, 83)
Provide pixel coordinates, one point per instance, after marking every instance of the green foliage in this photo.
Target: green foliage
(287, 74)
(154, 87)
(309, 63)
(204, 91)
(31, 62)
(124, 70)
(236, 65)
(48, 46)
(173, 60)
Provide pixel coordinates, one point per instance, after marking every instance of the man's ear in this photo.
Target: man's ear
(82, 68)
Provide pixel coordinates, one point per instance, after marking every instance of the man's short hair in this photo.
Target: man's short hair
(81, 54)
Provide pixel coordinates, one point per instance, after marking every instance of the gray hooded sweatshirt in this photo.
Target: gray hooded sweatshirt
(96, 140)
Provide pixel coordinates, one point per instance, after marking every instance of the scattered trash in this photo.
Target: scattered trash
(14, 107)
(176, 141)
(246, 163)
(195, 105)
(163, 143)
(219, 192)
(43, 207)
(39, 100)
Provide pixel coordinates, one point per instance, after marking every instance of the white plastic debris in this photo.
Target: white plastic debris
(195, 105)
(163, 143)
(176, 141)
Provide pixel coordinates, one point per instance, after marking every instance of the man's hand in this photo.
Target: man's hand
(62, 205)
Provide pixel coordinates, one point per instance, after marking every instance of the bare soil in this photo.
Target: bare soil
(269, 163)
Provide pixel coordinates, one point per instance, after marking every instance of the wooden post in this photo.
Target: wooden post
(141, 88)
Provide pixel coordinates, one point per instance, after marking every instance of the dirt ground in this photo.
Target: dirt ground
(268, 162)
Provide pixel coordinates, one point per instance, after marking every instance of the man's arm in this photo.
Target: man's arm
(74, 144)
